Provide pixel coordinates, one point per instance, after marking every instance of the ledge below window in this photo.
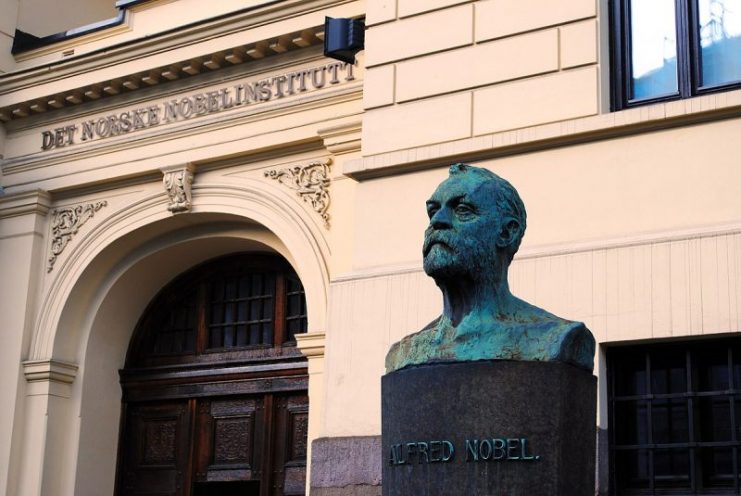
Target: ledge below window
(552, 135)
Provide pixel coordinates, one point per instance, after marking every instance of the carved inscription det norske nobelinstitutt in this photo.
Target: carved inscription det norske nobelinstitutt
(198, 104)
(475, 450)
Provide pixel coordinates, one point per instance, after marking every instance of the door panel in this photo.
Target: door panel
(246, 445)
(291, 429)
(229, 439)
(157, 444)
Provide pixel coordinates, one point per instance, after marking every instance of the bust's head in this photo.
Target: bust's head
(477, 221)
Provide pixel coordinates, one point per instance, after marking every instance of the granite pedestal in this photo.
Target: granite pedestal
(489, 428)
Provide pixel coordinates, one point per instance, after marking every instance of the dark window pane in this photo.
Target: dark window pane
(671, 468)
(631, 469)
(244, 286)
(231, 289)
(228, 313)
(215, 338)
(176, 326)
(242, 311)
(217, 290)
(711, 366)
(670, 421)
(715, 418)
(294, 307)
(720, 41)
(669, 372)
(717, 467)
(217, 313)
(255, 307)
(631, 422)
(267, 334)
(630, 375)
(228, 337)
(267, 308)
(737, 368)
(242, 338)
(654, 48)
(190, 341)
(255, 334)
(256, 285)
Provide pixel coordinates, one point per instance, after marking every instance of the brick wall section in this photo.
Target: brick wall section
(442, 70)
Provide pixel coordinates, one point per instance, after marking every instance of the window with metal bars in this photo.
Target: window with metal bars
(245, 304)
(675, 418)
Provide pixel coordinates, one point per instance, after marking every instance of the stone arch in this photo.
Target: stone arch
(101, 289)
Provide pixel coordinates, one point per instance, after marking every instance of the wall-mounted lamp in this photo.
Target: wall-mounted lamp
(343, 38)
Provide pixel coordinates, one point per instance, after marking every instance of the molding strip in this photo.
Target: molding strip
(311, 344)
(32, 202)
(50, 370)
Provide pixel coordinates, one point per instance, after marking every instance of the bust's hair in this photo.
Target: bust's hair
(506, 199)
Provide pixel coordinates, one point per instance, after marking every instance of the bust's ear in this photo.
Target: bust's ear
(509, 231)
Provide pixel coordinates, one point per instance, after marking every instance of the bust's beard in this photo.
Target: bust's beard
(467, 263)
(446, 264)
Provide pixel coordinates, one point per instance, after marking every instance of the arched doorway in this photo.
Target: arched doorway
(214, 389)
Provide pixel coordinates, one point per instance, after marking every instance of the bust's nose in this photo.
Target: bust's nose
(441, 219)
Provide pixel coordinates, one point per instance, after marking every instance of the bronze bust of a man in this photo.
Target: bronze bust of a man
(477, 221)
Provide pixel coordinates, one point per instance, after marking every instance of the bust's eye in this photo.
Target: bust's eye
(463, 210)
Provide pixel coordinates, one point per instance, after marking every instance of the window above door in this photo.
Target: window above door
(670, 49)
(240, 307)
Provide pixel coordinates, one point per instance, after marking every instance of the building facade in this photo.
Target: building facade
(210, 233)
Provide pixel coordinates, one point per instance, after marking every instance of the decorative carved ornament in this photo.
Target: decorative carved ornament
(65, 224)
(178, 181)
(311, 182)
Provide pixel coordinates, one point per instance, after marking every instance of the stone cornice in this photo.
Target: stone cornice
(49, 371)
(30, 202)
(311, 344)
(147, 75)
(343, 138)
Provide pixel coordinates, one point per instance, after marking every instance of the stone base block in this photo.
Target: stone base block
(489, 428)
(346, 466)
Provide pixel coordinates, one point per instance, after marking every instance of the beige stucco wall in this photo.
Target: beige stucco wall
(479, 67)
(40, 18)
(8, 19)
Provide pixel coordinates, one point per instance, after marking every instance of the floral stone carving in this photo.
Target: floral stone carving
(65, 224)
(178, 181)
(310, 181)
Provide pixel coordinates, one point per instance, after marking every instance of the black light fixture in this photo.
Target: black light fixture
(343, 38)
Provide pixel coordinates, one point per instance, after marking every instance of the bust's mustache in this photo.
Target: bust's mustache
(433, 237)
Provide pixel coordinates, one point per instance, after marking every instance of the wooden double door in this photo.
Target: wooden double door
(246, 445)
(214, 387)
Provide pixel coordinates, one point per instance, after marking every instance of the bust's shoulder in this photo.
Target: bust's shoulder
(562, 340)
(576, 344)
(415, 348)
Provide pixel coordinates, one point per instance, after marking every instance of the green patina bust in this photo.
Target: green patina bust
(477, 221)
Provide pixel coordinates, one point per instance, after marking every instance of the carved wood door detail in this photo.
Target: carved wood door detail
(246, 445)
(156, 450)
